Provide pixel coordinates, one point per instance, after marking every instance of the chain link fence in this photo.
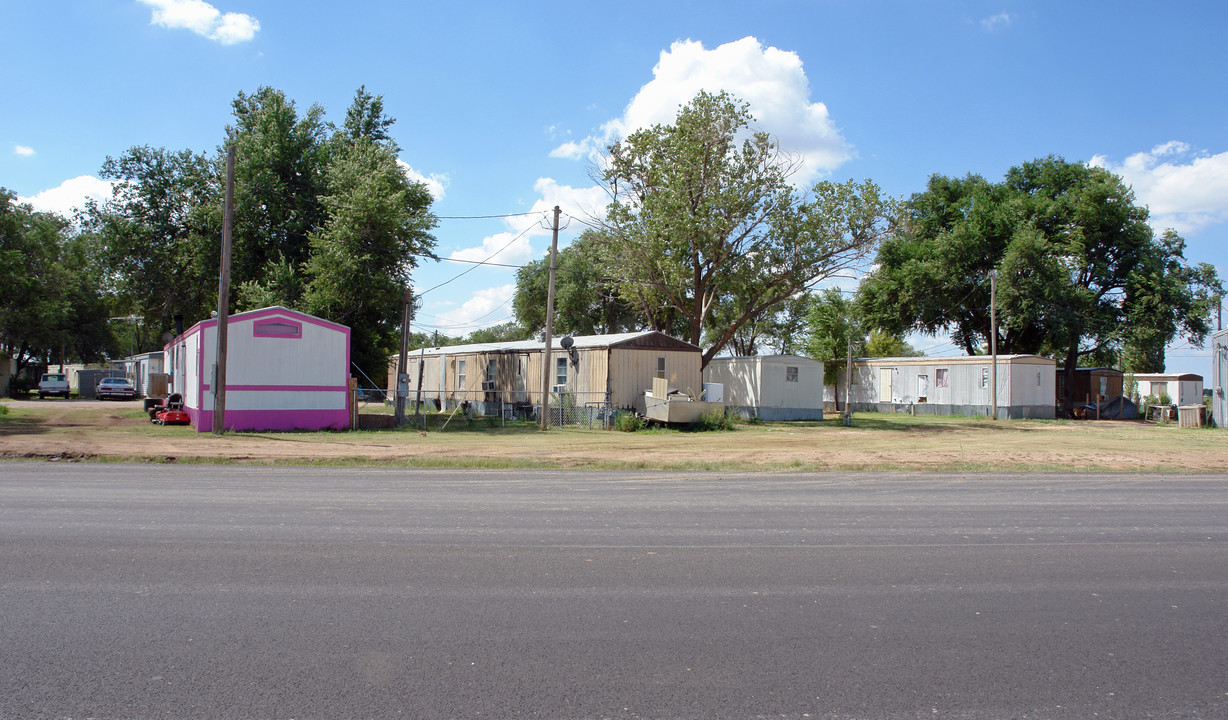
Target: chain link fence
(375, 408)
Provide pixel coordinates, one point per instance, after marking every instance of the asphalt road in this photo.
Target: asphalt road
(239, 592)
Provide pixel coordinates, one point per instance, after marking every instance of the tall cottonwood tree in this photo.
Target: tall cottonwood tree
(702, 214)
(1080, 272)
(586, 302)
(377, 223)
(325, 221)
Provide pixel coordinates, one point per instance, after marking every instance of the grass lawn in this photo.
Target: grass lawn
(121, 431)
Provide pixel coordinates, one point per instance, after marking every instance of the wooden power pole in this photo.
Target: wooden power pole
(402, 362)
(223, 299)
(546, 369)
(993, 343)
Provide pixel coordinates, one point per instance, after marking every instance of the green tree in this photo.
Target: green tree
(703, 215)
(281, 164)
(834, 326)
(376, 225)
(585, 301)
(51, 305)
(1080, 272)
(510, 331)
(159, 235)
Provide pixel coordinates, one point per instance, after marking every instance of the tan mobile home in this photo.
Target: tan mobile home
(612, 370)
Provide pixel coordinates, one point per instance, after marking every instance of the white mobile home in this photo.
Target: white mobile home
(770, 387)
(139, 368)
(1182, 388)
(1219, 378)
(285, 370)
(954, 385)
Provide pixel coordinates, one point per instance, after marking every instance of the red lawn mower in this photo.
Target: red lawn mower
(171, 412)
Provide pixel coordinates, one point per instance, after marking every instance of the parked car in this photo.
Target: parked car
(53, 384)
(115, 388)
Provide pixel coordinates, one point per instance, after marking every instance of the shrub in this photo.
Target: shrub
(628, 422)
(713, 420)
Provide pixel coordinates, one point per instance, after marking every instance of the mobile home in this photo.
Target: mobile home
(612, 370)
(285, 370)
(770, 387)
(1219, 378)
(1182, 388)
(953, 385)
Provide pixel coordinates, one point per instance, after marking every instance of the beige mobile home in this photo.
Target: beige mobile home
(770, 387)
(596, 371)
(954, 385)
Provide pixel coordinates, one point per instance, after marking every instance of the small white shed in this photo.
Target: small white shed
(770, 387)
(286, 370)
(954, 385)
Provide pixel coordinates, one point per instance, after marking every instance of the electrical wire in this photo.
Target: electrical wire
(484, 262)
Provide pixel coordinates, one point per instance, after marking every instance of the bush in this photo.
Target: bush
(713, 420)
(628, 422)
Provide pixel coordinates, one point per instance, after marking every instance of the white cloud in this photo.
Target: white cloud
(997, 22)
(69, 195)
(203, 19)
(436, 184)
(23, 150)
(1184, 190)
(772, 81)
(514, 246)
(486, 307)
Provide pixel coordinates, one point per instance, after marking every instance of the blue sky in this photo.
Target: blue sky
(498, 105)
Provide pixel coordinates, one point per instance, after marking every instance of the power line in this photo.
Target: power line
(484, 262)
(487, 217)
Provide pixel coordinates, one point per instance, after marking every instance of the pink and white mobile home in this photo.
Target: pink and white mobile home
(286, 370)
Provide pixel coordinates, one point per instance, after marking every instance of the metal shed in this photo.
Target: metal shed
(770, 387)
(607, 370)
(953, 385)
(286, 370)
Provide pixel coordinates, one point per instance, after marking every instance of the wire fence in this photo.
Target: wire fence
(376, 408)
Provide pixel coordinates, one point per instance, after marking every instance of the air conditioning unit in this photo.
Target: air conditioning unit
(558, 389)
(488, 387)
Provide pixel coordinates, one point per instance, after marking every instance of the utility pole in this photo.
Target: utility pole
(546, 369)
(848, 385)
(993, 342)
(223, 299)
(402, 375)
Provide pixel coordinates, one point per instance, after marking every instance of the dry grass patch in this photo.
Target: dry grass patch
(120, 431)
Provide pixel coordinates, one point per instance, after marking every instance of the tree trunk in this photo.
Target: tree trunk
(1068, 371)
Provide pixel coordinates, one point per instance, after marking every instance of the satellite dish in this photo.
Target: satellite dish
(567, 342)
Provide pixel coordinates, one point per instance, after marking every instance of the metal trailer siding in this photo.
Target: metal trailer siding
(633, 369)
(758, 386)
(1219, 378)
(894, 385)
